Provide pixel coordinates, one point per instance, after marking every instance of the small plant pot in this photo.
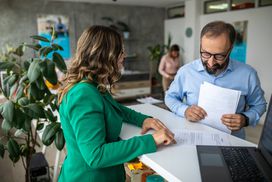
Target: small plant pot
(126, 35)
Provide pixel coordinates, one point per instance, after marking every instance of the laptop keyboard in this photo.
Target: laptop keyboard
(241, 165)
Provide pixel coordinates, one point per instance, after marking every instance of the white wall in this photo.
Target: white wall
(259, 40)
(175, 27)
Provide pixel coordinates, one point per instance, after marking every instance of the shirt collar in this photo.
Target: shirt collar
(200, 66)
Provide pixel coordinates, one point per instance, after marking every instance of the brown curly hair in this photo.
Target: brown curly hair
(98, 50)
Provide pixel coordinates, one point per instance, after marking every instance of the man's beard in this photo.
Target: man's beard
(216, 68)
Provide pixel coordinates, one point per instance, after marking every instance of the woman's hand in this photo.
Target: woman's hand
(162, 134)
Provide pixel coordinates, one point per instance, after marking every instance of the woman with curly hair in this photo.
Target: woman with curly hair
(91, 119)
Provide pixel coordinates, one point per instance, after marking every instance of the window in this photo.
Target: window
(175, 12)
(265, 2)
(242, 4)
(215, 6)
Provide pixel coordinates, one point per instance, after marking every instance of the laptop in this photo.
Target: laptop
(231, 163)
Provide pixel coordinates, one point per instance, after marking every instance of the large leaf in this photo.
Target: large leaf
(23, 101)
(40, 83)
(13, 89)
(14, 150)
(34, 71)
(50, 73)
(34, 46)
(56, 47)
(19, 51)
(49, 133)
(6, 126)
(45, 51)
(8, 110)
(35, 92)
(49, 115)
(2, 150)
(6, 65)
(19, 92)
(27, 124)
(58, 60)
(59, 140)
(19, 119)
(12, 79)
(34, 110)
(37, 37)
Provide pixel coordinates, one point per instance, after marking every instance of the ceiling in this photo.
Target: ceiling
(151, 3)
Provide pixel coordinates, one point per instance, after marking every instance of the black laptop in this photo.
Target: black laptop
(239, 164)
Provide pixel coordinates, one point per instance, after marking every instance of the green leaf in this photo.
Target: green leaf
(24, 149)
(19, 119)
(2, 150)
(58, 60)
(6, 65)
(19, 92)
(37, 37)
(40, 126)
(14, 150)
(34, 110)
(36, 47)
(49, 115)
(5, 82)
(56, 47)
(45, 51)
(40, 83)
(12, 79)
(34, 71)
(27, 124)
(26, 65)
(49, 133)
(59, 140)
(24, 78)
(50, 73)
(19, 51)
(6, 126)
(35, 92)
(8, 110)
(23, 101)
(13, 89)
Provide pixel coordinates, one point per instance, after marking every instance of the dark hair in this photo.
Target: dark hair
(216, 28)
(174, 47)
(98, 50)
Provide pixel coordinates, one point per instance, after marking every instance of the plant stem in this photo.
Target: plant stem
(23, 162)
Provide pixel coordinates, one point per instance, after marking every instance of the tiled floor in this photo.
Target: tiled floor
(15, 173)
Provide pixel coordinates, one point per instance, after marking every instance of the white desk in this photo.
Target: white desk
(175, 162)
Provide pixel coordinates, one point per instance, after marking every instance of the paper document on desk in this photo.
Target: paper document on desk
(149, 100)
(193, 137)
(217, 101)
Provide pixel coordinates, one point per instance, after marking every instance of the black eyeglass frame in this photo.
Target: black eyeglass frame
(214, 55)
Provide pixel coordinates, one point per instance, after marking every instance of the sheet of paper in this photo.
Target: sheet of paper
(149, 100)
(217, 101)
(193, 137)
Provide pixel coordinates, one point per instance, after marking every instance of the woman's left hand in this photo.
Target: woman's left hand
(152, 123)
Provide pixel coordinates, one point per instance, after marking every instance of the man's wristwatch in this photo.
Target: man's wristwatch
(247, 119)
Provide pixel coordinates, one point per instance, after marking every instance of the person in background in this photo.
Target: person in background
(215, 66)
(169, 66)
(92, 120)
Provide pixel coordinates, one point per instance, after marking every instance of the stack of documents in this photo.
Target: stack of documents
(217, 101)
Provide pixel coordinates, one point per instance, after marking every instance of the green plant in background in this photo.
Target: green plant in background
(118, 25)
(30, 106)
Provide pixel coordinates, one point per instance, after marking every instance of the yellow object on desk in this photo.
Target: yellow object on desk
(135, 166)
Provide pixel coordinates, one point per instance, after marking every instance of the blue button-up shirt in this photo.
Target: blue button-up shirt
(184, 90)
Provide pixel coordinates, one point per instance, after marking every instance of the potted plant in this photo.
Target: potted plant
(118, 25)
(29, 104)
(124, 28)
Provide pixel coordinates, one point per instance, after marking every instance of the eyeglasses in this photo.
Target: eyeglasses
(217, 57)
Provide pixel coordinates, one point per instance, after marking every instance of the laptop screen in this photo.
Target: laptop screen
(265, 144)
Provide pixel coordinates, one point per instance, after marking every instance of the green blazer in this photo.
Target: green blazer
(91, 123)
